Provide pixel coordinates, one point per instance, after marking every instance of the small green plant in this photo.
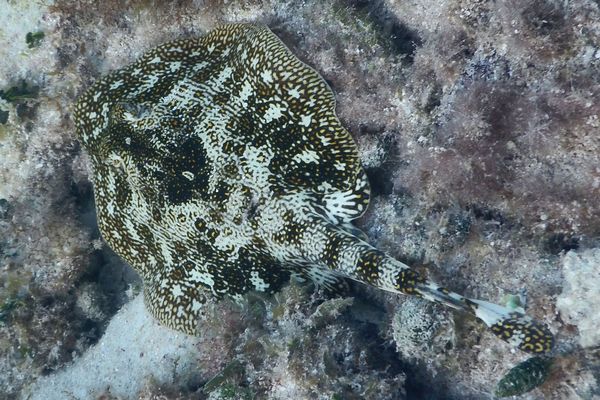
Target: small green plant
(34, 39)
(21, 92)
(7, 307)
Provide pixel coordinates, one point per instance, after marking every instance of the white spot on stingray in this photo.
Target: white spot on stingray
(267, 76)
(200, 66)
(325, 140)
(177, 292)
(110, 207)
(307, 156)
(188, 175)
(294, 93)
(325, 187)
(96, 132)
(196, 306)
(305, 120)
(224, 75)
(116, 85)
(273, 112)
(258, 282)
(246, 92)
(155, 60)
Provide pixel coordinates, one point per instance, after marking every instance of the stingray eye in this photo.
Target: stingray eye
(115, 162)
(133, 111)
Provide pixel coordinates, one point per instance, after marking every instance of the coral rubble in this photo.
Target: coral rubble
(477, 123)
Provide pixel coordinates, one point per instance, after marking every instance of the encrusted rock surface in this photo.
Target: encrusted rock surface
(477, 123)
(578, 302)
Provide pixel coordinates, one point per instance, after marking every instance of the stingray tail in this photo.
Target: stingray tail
(343, 253)
(510, 325)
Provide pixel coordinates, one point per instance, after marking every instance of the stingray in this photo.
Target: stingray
(220, 167)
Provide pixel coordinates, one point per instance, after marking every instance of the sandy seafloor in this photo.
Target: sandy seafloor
(478, 123)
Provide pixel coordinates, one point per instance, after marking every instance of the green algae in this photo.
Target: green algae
(3, 117)
(7, 308)
(230, 371)
(34, 39)
(524, 377)
(21, 92)
(231, 391)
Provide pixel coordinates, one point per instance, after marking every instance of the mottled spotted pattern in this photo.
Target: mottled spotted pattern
(220, 167)
(523, 333)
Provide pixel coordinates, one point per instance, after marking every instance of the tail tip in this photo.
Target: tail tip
(524, 333)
